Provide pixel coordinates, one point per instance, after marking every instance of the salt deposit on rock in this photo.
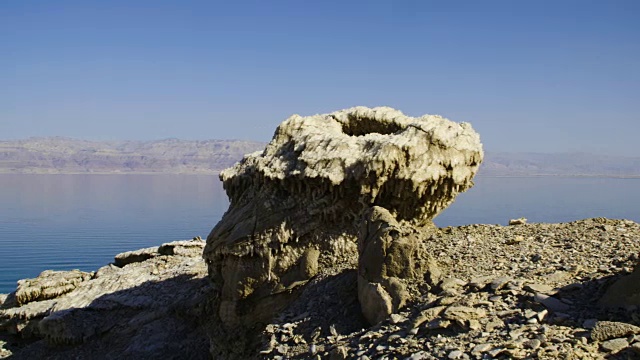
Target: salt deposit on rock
(301, 200)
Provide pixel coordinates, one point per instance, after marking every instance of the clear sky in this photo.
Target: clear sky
(541, 76)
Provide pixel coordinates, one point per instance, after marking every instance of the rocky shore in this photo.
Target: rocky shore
(328, 250)
(149, 303)
(521, 291)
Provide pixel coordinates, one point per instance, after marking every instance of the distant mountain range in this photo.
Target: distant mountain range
(173, 156)
(559, 164)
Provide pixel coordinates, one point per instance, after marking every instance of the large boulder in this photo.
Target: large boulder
(624, 292)
(296, 207)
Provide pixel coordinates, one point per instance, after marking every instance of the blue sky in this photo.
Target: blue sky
(542, 76)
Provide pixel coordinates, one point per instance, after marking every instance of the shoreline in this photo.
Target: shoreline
(217, 172)
(507, 268)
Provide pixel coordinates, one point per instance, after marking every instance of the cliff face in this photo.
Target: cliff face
(64, 155)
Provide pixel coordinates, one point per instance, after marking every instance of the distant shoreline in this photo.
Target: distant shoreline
(217, 172)
(59, 155)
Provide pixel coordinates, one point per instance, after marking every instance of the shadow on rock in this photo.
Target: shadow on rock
(156, 308)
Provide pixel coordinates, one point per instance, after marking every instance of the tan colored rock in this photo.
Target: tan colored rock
(464, 313)
(389, 254)
(614, 345)
(192, 247)
(134, 256)
(146, 309)
(338, 353)
(624, 292)
(308, 189)
(49, 284)
(427, 315)
(605, 330)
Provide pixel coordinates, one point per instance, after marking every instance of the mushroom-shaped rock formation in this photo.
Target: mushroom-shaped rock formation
(296, 207)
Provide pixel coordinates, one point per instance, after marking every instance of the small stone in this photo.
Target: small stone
(393, 337)
(495, 352)
(551, 303)
(516, 240)
(558, 276)
(313, 349)
(397, 318)
(615, 345)
(438, 324)
(606, 227)
(414, 331)
(427, 315)
(463, 313)
(451, 284)
(480, 348)
(636, 347)
(500, 282)
(605, 330)
(338, 353)
(519, 221)
(420, 355)
(456, 354)
(541, 315)
(282, 349)
(532, 344)
(474, 324)
(515, 334)
(332, 330)
(491, 325)
(538, 288)
(479, 283)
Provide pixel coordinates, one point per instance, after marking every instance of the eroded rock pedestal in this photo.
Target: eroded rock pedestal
(389, 256)
(296, 207)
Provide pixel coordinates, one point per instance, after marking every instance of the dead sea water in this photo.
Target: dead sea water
(68, 222)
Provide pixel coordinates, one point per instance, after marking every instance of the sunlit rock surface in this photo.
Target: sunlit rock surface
(296, 207)
(150, 307)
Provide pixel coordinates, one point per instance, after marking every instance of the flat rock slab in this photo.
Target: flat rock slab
(551, 303)
(615, 345)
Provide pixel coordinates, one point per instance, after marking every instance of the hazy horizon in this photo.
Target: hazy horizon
(541, 76)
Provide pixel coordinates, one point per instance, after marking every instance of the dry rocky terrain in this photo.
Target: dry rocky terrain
(528, 291)
(328, 251)
(522, 291)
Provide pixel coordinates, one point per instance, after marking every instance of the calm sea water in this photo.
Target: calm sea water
(81, 221)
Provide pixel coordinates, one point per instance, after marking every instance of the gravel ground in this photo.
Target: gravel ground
(527, 291)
